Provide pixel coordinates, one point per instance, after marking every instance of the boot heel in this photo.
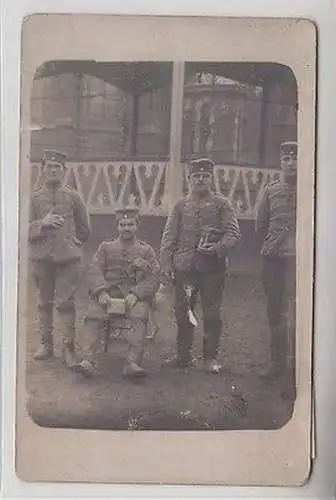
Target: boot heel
(43, 352)
(69, 356)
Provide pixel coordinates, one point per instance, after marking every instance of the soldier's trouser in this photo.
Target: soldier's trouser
(279, 280)
(211, 288)
(95, 330)
(56, 286)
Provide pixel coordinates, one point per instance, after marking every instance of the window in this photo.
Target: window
(221, 119)
(91, 119)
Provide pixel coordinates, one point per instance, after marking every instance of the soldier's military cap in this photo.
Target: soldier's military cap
(127, 213)
(53, 155)
(201, 165)
(289, 148)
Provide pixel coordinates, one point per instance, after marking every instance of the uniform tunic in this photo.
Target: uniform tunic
(184, 227)
(276, 220)
(62, 244)
(127, 268)
(55, 254)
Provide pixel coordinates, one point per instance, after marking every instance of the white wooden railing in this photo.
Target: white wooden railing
(107, 185)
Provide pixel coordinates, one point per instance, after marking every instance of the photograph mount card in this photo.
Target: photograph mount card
(166, 250)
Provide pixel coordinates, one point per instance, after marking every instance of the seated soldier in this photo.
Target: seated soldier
(125, 268)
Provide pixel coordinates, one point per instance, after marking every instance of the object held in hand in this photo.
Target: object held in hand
(191, 294)
(104, 298)
(52, 220)
(209, 237)
(167, 277)
(131, 300)
(117, 307)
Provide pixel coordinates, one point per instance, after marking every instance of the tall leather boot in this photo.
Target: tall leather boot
(68, 329)
(183, 357)
(46, 348)
(276, 355)
(287, 361)
(184, 343)
(136, 350)
(279, 350)
(91, 347)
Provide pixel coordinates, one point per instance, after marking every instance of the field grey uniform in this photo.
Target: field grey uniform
(120, 269)
(55, 256)
(179, 255)
(276, 222)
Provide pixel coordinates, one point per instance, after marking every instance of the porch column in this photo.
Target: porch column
(174, 174)
(264, 118)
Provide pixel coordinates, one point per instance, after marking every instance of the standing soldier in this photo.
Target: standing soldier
(125, 268)
(59, 225)
(199, 233)
(276, 221)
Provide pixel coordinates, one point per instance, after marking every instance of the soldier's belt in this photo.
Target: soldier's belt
(117, 307)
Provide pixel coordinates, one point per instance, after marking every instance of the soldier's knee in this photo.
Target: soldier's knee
(65, 306)
(45, 306)
(212, 314)
(95, 317)
(93, 323)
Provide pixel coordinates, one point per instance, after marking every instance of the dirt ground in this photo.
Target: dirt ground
(168, 399)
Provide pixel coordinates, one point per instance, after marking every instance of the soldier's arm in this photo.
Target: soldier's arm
(36, 229)
(82, 220)
(230, 228)
(96, 272)
(262, 217)
(169, 239)
(150, 283)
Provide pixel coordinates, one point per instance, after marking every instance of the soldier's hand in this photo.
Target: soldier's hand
(103, 299)
(52, 220)
(167, 276)
(130, 300)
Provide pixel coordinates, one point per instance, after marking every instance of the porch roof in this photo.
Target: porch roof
(132, 77)
(144, 76)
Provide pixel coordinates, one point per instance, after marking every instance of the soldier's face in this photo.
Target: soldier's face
(127, 228)
(53, 172)
(200, 181)
(289, 166)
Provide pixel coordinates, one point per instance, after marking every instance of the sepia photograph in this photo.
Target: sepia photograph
(162, 237)
(161, 243)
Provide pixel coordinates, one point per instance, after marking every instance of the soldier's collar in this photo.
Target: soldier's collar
(289, 186)
(195, 197)
(125, 244)
(52, 185)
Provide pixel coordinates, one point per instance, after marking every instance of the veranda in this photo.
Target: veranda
(235, 113)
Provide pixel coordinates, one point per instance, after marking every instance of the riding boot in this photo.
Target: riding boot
(91, 347)
(45, 349)
(68, 329)
(136, 350)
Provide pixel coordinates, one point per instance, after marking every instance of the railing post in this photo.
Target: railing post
(174, 174)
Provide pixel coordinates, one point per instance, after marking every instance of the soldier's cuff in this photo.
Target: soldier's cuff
(37, 228)
(95, 292)
(77, 242)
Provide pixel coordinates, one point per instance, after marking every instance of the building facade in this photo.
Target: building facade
(120, 144)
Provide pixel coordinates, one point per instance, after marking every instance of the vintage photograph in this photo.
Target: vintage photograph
(162, 245)
(166, 247)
